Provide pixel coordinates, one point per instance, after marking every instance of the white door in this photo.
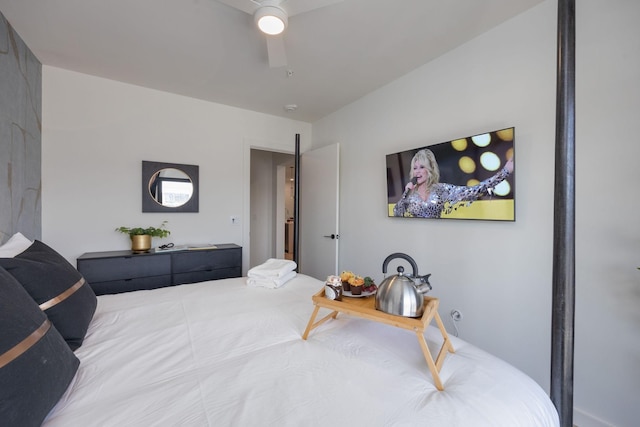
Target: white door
(319, 208)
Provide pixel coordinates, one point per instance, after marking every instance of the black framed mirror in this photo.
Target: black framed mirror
(169, 187)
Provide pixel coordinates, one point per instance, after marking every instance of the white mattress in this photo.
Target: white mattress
(221, 353)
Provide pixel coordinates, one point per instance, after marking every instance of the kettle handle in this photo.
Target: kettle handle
(403, 256)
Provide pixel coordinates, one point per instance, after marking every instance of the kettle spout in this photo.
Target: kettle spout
(422, 283)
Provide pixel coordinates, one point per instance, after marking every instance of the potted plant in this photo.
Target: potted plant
(141, 237)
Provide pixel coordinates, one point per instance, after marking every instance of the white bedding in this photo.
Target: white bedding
(221, 353)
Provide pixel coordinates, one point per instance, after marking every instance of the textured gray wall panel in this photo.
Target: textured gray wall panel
(20, 136)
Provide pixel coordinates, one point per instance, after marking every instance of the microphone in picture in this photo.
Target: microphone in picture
(414, 181)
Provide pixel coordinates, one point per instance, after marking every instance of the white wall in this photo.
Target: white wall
(499, 274)
(96, 132)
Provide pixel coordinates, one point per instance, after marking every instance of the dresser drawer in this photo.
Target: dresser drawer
(206, 260)
(128, 285)
(204, 275)
(126, 267)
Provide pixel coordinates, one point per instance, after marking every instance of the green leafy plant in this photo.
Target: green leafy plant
(151, 231)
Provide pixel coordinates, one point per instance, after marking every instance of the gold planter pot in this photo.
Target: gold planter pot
(140, 243)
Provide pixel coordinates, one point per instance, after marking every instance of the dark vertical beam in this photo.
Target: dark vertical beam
(296, 205)
(562, 328)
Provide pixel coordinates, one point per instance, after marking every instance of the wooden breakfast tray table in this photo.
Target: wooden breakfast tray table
(365, 308)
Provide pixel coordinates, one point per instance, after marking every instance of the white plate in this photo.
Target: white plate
(363, 294)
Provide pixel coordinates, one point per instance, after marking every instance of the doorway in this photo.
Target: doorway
(289, 209)
(271, 205)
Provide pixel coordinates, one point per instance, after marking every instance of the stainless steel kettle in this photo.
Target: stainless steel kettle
(402, 294)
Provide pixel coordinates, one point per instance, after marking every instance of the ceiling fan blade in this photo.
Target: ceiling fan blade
(275, 49)
(275, 44)
(247, 6)
(295, 7)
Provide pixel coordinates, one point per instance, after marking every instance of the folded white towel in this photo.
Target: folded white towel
(271, 268)
(272, 283)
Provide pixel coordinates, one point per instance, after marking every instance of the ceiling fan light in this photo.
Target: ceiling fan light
(271, 20)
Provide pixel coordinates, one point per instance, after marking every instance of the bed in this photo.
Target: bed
(223, 353)
(228, 352)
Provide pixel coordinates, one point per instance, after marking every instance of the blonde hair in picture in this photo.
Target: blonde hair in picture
(428, 159)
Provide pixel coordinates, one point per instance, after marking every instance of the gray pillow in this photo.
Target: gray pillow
(57, 287)
(36, 364)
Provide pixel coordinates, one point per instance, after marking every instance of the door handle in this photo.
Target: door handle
(333, 236)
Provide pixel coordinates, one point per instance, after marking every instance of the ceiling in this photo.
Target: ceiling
(208, 50)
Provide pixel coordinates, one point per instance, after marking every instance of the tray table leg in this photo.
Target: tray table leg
(312, 325)
(429, 359)
(447, 347)
(313, 317)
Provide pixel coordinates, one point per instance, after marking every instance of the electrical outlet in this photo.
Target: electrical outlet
(456, 315)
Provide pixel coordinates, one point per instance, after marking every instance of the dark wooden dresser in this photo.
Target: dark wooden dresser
(114, 272)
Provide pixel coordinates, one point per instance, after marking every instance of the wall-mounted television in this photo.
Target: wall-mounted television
(466, 178)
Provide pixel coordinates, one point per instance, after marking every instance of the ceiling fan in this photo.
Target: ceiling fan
(272, 18)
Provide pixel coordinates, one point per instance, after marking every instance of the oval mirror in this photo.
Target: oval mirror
(171, 187)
